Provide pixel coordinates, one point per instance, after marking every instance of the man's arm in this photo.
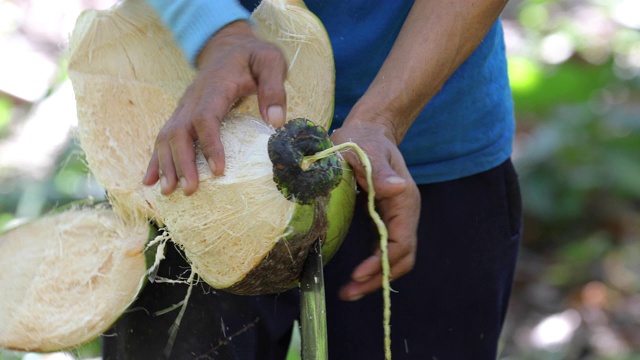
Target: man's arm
(436, 38)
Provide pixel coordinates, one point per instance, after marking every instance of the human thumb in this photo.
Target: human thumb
(387, 182)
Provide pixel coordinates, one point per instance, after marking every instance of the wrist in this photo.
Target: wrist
(380, 120)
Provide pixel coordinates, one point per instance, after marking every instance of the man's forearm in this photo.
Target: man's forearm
(436, 38)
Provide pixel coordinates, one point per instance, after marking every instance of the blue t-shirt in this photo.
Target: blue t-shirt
(465, 129)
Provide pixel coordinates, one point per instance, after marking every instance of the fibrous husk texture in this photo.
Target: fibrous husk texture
(127, 76)
(66, 277)
(304, 42)
(228, 226)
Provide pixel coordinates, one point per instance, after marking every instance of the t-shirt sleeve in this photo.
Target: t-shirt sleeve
(193, 22)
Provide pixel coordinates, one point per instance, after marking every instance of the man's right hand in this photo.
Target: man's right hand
(234, 63)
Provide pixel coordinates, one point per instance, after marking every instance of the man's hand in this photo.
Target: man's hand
(397, 200)
(234, 63)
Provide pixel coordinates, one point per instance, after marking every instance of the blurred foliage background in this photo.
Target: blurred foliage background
(575, 72)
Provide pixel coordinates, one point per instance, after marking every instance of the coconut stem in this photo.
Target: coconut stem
(382, 230)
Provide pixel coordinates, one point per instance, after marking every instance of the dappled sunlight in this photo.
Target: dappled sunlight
(555, 330)
(626, 13)
(34, 146)
(574, 67)
(37, 109)
(52, 356)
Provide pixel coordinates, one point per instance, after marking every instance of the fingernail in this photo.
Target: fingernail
(144, 178)
(362, 278)
(395, 180)
(355, 297)
(164, 183)
(212, 165)
(275, 115)
(183, 182)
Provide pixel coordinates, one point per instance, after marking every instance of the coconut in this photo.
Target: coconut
(66, 277)
(242, 231)
(245, 232)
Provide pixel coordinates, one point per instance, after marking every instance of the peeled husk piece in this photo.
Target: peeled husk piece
(127, 76)
(66, 277)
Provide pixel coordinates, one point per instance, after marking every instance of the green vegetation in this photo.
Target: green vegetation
(575, 73)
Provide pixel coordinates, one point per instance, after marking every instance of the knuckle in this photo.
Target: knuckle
(406, 249)
(410, 262)
(200, 118)
(173, 133)
(211, 146)
(233, 90)
(269, 92)
(404, 266)
(271, 54)
(224, 91)
(186, 96)
(206, 124)
(163, 137)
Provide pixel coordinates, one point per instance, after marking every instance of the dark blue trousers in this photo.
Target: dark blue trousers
(450, 307)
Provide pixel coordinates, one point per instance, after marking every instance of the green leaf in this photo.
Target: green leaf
(6, 108)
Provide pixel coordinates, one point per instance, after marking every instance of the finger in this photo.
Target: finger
(384, 157)
(207, 126)
(355, 291)
(366, 284)
(168, 179)
(270, 70)
(401, 255)
(184, 160)
(153, 170)
(368, 268)
(387, 182)
(366, 277)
